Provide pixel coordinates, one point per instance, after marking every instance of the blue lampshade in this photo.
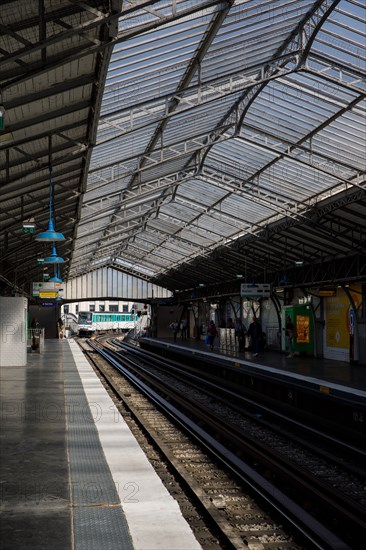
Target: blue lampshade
(50, 234)
(55, 279)
(53, 258)
(56, 276)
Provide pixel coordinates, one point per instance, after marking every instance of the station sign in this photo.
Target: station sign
(260, 290)
(305, 300)
(48, 294)
(47, 289)
(328, 292)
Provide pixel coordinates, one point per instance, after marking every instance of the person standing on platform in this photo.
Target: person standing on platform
(240, 332)
(289, 336)
(212, 333)
(183, 329)
(175, 327)
(255, 334)
(230, 323)
(34, 332)
(60, 326)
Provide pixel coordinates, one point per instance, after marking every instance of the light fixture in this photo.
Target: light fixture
(298, 263)
(2, 117)
(50, 234)
(53, 258)
(56, 277)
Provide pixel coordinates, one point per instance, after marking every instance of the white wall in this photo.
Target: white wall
(107, 281)
(13, 340)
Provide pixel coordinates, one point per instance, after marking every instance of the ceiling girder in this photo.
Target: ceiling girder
(80, 52)
(310, 278)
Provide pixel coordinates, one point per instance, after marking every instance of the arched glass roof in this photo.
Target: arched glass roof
(218, 120)
(230, 133)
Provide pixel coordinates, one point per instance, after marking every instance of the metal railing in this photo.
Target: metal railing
(228, 342)
(273, 337)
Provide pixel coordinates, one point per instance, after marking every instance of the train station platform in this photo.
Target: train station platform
(72, 474)
(330, 394)
(321, 371)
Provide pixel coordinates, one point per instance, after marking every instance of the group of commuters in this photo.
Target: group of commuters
(254, 333)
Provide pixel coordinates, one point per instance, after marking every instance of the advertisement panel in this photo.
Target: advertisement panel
(339, 315)
(337, 335)
(302, 319)
(303, 329)
(339, 321)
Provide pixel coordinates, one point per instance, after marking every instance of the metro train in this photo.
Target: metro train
(90, 322)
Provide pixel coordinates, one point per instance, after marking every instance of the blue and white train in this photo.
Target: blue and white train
(90, 322)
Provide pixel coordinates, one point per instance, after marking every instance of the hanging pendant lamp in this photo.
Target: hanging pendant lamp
(56, 276)
(53, 258)
(55, 279)
(50, 234)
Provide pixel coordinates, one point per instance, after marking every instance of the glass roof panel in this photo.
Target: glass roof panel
(177, 170)
(342, 37)
(250, 35)
(152, 63)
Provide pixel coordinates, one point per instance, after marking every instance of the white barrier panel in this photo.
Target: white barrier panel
(13, 339)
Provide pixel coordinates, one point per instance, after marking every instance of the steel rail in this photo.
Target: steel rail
(301, 521)
(342, 505)
(224, 388)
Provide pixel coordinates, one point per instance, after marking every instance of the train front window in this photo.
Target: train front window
(85, 318)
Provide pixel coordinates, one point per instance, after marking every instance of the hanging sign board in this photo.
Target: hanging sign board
(328, 292)
(48, 294)
(47, 286)
(255, 290)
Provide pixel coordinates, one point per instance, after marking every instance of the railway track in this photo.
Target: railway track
(241, 444)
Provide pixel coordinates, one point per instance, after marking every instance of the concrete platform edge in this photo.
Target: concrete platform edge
(154, 517)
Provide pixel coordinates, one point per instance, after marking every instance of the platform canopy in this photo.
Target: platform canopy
(229, 140)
